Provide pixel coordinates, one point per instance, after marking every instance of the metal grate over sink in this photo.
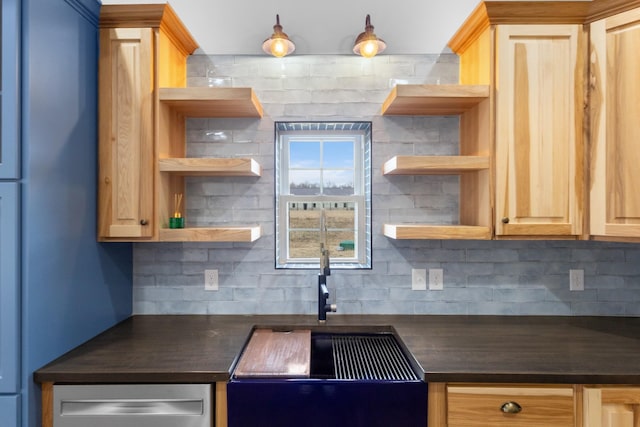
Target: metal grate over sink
(370, 357)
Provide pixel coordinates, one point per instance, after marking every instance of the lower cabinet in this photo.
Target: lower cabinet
(533, 405)
(611, 406)
(10, 410)
(450, 405)
(511, 406)
(9, 289)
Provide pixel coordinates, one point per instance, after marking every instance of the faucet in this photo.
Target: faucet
(323, 291)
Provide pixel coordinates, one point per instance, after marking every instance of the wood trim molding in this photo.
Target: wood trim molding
(490, 12)
(221, 415)
(159, 15)
(537, 12)
(132, 16)
(47, 404)
(176, 30)
(470, 30)
(600, 9)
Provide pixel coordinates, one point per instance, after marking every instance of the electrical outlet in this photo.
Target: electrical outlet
(436, 279)
(211, 280)
(576, 280)
(419, 279)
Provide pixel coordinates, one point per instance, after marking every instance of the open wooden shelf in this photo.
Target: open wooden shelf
(472, 104)
(433, 100)
(212, 101)
(427, 231)
(211, 234)
(176, 105)
(202, 166)
(434, 165)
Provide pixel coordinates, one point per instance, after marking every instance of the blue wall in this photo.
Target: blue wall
(72, 287)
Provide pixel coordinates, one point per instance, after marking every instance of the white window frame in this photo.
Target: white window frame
(361, 199)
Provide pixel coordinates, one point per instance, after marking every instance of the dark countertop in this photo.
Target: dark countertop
(524, 349)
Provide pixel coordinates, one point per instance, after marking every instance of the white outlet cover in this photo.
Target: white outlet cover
(419, 279)
(576, 280)
(211, 280)
(436, 279)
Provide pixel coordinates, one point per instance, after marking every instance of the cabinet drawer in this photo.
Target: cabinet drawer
(471, 406)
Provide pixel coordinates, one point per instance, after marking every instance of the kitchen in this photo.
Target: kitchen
(520, 277)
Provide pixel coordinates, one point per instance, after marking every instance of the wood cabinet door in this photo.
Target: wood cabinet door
(126, 127)
(612, 407)
(615, 133)
(539, 134)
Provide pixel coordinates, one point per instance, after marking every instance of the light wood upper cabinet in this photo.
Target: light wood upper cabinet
(141, 48)
(126, 87)
(615, 133)
(142, 144)
(534, 55)
(539, 130)
(611, 407)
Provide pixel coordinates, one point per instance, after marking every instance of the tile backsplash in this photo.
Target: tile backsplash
(480, 277)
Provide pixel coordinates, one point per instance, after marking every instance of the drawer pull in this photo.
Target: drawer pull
(511, 408)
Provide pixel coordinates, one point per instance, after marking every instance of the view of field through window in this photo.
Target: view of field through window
(304, 229)
(322, 167)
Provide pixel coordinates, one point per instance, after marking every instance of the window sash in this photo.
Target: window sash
(358, 153)
(360, 238)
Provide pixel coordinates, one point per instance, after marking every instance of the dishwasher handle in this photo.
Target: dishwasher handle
(89, 407)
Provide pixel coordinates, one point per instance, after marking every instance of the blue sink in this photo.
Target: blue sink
(356, 380)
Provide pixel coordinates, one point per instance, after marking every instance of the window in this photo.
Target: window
(323, 193)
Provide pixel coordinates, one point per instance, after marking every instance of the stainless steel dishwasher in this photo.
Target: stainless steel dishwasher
(135, 405)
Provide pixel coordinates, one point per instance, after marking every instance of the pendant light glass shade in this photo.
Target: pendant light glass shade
(367, 43)
(278, 44)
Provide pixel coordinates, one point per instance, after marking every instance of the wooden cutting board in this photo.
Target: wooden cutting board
(272, 354)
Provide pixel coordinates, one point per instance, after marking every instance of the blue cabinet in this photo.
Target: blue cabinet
(9, 301)
(9, 90)
(10, 410)
(9, 220)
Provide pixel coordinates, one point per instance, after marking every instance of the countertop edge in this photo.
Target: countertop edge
(423, 336)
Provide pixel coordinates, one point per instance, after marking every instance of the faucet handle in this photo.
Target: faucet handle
(324, 290)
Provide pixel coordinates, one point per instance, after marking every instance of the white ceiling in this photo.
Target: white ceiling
(238, 27)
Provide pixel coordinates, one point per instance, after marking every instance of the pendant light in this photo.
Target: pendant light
(368, 44)
(278, 44)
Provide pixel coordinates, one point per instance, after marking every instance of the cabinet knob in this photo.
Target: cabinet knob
(144, 222)
(511, 408)
(505, 220)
